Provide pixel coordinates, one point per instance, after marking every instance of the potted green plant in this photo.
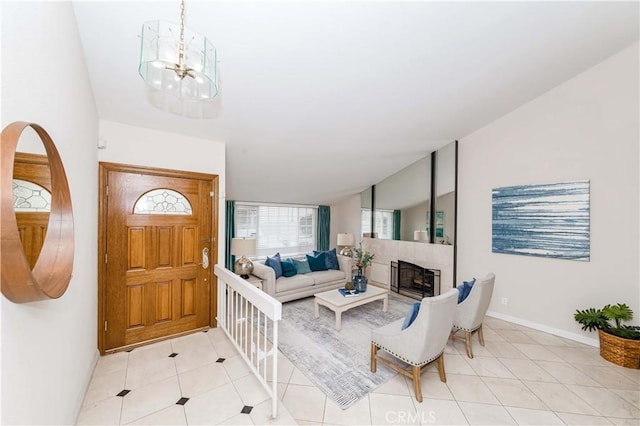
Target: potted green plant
(362, 259)
(619, 343)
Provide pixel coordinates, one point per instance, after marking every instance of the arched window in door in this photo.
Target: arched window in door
(162, 201)
(29, 197)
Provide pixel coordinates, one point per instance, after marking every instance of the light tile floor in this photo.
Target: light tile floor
(522, 376)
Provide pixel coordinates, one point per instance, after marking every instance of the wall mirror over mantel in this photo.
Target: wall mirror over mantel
(36, 237)
(402, 203)
(418, 203)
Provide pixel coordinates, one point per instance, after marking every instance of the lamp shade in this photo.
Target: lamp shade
(345, 239)
(243, 246)
(420, 235)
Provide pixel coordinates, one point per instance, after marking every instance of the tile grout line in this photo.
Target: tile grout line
(175, 366)
(124, 386)
(504, 407)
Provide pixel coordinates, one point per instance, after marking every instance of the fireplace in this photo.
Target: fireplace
(414, 281)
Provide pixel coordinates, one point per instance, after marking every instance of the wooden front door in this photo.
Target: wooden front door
(159, 251)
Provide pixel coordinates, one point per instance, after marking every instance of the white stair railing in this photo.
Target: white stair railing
(250, 319)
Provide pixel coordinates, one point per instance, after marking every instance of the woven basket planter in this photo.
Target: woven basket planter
(623, 352)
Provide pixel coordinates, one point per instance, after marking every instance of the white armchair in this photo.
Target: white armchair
(471, 312)
(419, 344)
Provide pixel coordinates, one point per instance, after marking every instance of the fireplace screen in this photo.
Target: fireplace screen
(414, 281)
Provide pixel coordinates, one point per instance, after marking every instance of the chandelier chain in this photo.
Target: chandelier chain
(182, 24)
(180, 69)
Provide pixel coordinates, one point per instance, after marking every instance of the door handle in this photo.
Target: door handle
(205, 258)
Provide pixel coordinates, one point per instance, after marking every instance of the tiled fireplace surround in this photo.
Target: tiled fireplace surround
(386, 251)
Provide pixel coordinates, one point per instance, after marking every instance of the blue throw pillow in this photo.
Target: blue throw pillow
(317, 262)
(411, 315)
(288, 268)
(331, 258)
(274, 263)
(302, 266)
(465, 289)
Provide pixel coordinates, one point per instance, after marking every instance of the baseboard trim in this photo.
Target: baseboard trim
(540, 327)
(87, 381)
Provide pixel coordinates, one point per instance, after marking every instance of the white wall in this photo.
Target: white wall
(345, 218)
(586, 128)
(139, 146)
(406, 188)
(49, 347)
(413, 219)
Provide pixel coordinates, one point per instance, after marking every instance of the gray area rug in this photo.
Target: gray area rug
(337, 362)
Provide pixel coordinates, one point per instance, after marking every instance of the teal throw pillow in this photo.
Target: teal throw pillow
(317, 262)
(411, 315)
(288, 268)
(274, 263)
(331, 258)
(302, 266)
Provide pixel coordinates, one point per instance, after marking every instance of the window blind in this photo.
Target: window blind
(277, 228)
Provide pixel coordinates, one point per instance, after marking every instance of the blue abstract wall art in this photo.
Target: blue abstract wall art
(549, 220)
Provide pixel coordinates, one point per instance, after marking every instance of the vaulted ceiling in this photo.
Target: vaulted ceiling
(320, 99)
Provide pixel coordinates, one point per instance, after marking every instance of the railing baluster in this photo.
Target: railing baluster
(246, 329)
(258, 342)
(252, 344)
(274, 372)
(265, 349)
(239, 322)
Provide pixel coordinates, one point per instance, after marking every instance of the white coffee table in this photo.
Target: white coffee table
(338, 303)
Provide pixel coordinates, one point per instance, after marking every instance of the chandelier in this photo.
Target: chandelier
(178, 66)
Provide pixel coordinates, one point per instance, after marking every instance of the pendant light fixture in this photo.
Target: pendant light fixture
(178, 66)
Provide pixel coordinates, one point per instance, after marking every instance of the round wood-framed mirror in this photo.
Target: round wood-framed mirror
(51, 273)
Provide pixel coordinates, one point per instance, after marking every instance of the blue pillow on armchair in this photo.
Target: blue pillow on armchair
(317, 262)
(274, 263)
(411, 315)
(465, 289)
(331, 258)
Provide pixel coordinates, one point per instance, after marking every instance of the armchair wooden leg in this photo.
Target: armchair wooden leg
(481, 336)
(443, 376)
(374, 352)
(416, 383)
(467, 339)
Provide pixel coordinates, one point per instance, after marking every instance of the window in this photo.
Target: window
(383, 223)
(285, 229)
(162, 201)
(30, 197)
(365, 221)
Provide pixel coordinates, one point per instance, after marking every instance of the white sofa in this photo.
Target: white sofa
(302, 285)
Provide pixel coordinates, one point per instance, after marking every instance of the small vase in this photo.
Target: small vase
(360, 282)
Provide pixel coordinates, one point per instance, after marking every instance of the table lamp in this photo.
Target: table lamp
(243, 247)
(347, 241)
(420, 235)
